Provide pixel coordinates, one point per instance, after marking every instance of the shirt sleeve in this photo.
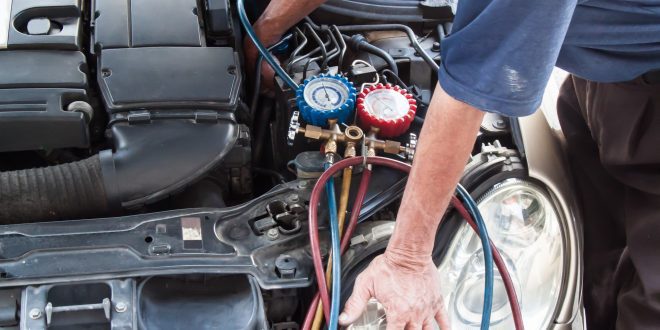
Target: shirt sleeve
(500, 53)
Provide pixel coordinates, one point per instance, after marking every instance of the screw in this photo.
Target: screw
(302, 184)
(35, 313)
(436, 47)
(106, 73)
(294, 198)
(121, 307)
(273, 234)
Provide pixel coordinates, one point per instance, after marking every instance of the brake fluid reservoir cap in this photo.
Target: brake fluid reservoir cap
(325, 97)
(390, 109)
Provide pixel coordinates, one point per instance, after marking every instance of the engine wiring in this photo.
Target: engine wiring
(324, 51)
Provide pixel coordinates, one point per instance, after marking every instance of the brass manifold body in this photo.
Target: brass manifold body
(354, 136)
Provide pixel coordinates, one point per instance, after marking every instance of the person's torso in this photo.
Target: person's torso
(612, 40)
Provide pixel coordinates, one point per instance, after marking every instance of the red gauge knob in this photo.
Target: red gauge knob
(391, 109)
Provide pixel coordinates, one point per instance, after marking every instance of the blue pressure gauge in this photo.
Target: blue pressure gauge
(326, 97)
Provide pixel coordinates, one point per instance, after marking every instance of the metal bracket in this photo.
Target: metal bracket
(104, 305)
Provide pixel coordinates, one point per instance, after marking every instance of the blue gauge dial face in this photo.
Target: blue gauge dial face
(325, 93)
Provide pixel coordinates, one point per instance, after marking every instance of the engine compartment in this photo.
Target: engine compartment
(108, 78)
(145, 183)
(141, 109)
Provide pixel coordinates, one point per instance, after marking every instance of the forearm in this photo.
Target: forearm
(280, 15)
(445, 144)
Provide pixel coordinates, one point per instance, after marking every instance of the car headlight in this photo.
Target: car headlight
(524, 225)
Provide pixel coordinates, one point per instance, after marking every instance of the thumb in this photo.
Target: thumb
(357, 302)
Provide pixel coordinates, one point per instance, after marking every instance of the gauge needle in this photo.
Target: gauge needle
(327, 96)
(386, 105)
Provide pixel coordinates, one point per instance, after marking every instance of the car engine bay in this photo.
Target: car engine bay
(146, 183)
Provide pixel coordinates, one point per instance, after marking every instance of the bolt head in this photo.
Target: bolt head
(35, 313)
(121, 307)
(273, 234)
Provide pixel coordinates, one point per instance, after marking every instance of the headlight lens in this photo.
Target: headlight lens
(524, 225)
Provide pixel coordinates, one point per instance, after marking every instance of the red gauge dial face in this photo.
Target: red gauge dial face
(389, 109)
(386, 104)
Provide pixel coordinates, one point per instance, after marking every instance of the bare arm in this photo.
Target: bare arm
(404, 279)
(445, 144)
(281, 15)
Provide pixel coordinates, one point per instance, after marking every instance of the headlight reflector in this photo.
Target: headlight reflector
(524, 225)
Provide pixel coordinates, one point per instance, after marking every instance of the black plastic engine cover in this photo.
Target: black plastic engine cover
(171, 99)
(35, 88)
(152, 55)
(58, 24)
(146, 23)
(169, 77)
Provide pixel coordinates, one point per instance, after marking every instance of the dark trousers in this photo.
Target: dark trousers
(613, 140)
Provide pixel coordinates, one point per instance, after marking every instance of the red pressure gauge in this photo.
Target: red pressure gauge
(389, 108)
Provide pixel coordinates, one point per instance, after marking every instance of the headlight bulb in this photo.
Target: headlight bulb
(518, 216)
(470, 292)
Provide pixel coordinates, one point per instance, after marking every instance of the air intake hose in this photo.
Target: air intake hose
(149, 162)
(66, 191)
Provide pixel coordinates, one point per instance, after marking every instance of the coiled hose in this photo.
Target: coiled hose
(314, 240)
(333, 318)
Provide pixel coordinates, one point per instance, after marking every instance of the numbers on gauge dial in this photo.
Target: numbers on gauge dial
(325, 94)
(386, 104)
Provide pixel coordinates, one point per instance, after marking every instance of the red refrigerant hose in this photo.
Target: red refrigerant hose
(314, 238)
(348, 233)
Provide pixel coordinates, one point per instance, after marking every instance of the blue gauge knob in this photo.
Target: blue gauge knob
(326, 97)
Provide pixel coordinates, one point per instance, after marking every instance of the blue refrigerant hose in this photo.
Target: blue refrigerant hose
(262, 49)
(336, 253)
(488, 254)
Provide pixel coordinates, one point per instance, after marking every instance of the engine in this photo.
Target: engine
(147, 181)
(143, 99)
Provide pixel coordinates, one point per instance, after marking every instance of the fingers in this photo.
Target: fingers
(414, 326)
(428, 325)
(356, 304)
(396, 325)
(441, 319)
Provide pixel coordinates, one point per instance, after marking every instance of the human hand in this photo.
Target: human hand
(252, 54)
(408, 290)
